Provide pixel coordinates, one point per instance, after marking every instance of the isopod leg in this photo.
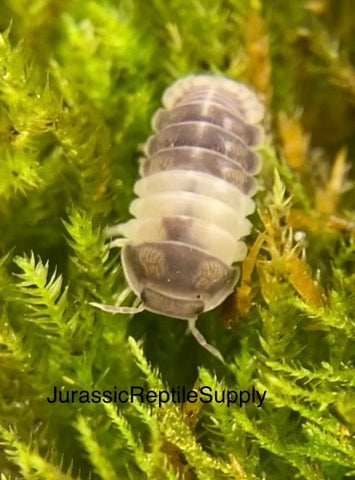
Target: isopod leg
(122, 296)
(137, 307)
(118, 243)
(136, 302)
(121, 310)
(202, 341)
(113, 230)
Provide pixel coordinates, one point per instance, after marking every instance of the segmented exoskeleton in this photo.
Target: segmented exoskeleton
(181, 250)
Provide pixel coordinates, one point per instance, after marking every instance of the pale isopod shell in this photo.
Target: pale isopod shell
(193, 198)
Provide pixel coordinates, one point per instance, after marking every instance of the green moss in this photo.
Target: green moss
(79, 82)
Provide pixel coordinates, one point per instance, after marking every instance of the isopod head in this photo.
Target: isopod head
(177, 280)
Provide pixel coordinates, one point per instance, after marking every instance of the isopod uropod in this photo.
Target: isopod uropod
(179, 253)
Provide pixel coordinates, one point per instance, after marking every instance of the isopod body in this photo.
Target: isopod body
(194, 194)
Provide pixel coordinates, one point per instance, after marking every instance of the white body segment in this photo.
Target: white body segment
(196, 182)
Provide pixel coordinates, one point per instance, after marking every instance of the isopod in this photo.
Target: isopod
(180, 252)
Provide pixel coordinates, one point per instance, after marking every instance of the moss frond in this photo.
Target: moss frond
(47, 301)
(30, 463)
(101, 464)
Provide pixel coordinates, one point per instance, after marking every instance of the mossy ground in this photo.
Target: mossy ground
(79, 82)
